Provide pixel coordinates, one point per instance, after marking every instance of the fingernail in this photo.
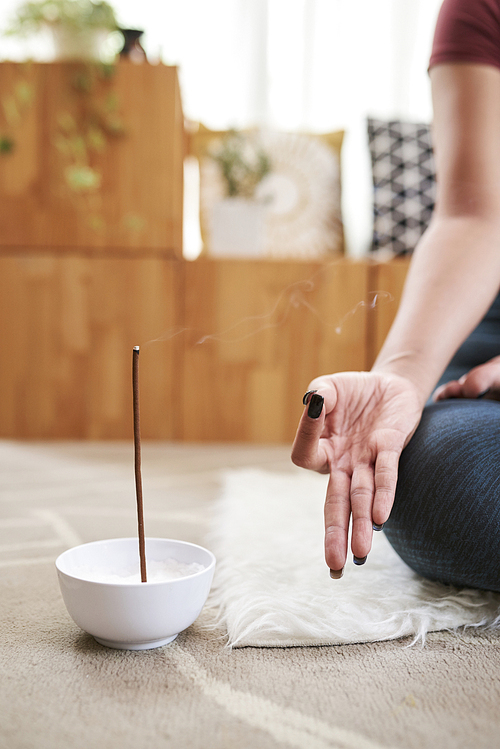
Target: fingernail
(377, 527)
(307, 396)
(359, 560)
(336, 574)
(315, 406)
(485, 392)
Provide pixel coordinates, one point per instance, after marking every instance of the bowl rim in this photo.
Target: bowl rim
(175, 580)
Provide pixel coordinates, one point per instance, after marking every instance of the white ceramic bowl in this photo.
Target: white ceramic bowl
(133, 616)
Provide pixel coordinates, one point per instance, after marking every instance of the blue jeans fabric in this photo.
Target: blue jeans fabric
(445, 522)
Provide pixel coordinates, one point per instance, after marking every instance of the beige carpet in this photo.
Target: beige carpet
(59, 689)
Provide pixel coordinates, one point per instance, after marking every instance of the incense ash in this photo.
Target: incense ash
(158, 571)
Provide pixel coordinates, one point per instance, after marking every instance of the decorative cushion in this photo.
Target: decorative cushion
(301, 194)
(404, 183)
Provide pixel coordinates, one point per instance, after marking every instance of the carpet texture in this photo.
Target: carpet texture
(273, 588)
(59, 689)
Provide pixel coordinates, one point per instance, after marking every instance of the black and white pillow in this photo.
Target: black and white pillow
(404, 183)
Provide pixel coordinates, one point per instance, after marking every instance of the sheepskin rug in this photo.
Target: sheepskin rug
(273, 589)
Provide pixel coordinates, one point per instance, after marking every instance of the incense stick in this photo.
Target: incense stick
(137, 454)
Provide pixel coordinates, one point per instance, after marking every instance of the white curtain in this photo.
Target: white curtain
(311, 65)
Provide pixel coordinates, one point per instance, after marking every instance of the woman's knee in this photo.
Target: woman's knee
(447, 506)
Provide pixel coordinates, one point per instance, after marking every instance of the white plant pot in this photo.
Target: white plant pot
(237, 228)
(70, 44)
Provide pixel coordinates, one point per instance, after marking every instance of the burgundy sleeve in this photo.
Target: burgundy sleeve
(467, 31)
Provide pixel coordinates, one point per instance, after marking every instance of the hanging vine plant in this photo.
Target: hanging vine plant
(75, 15)
(90, 120)
(82, 137)
(14, 106)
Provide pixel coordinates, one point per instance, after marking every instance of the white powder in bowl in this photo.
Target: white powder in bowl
(169, 569)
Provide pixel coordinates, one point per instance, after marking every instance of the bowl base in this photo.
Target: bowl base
(135, 645)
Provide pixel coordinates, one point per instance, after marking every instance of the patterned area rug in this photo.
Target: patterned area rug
(60, 689)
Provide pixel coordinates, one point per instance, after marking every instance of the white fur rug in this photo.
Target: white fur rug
(273, 589)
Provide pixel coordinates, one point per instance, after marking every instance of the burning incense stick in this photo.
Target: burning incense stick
(137, 452)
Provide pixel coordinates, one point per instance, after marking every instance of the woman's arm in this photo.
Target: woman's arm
(455, 272)
(367, 418)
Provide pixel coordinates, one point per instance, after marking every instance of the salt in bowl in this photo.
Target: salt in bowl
(129, 614)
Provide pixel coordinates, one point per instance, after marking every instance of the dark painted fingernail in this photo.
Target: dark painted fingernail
(315, 406)
(359, 560)
(307, 396)
(336, 574)
(377, 527)
(484, 393)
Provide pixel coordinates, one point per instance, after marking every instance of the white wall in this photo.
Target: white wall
(316, 65)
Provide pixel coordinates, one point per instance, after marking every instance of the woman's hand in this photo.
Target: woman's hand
(357, 438)
(480, 382)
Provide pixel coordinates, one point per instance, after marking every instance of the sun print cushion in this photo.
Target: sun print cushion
(301, 194)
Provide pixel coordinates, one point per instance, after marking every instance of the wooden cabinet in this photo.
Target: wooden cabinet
(256, 334)
(227, 347)
(96, 159)
(68, 324)
(90, 269)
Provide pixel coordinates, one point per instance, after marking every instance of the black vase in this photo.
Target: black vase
(132, 48)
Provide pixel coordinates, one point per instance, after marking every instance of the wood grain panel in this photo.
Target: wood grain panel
(227, 347)
(257, 333)
(388, 278)
(68, 325)
(139, 203)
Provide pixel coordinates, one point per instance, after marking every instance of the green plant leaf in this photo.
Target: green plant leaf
(96, 139)
(83, 82)
(112, 102)
(80, 15)
(25, 93)
(106, 70)
(11, 110)
(114, 125)
(133, 222)
(6, 144)
(82, 179)
(78, 147)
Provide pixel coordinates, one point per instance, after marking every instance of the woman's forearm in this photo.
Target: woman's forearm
(455, 272)
(453, 279)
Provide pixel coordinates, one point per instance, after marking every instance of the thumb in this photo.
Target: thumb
(305, 451)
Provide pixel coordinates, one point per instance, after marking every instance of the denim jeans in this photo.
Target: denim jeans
(445, 522)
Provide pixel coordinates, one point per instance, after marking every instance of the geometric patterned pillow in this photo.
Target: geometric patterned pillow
(404, 183)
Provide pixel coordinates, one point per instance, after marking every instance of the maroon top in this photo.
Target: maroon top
(467, 31)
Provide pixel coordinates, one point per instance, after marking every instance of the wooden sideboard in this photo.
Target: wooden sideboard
(87, 271)
(227, 347)
(125, 125)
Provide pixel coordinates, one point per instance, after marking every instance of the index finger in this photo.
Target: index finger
(307, 450)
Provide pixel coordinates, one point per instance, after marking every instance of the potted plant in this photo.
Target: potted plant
(79, 27)
(237, 225)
